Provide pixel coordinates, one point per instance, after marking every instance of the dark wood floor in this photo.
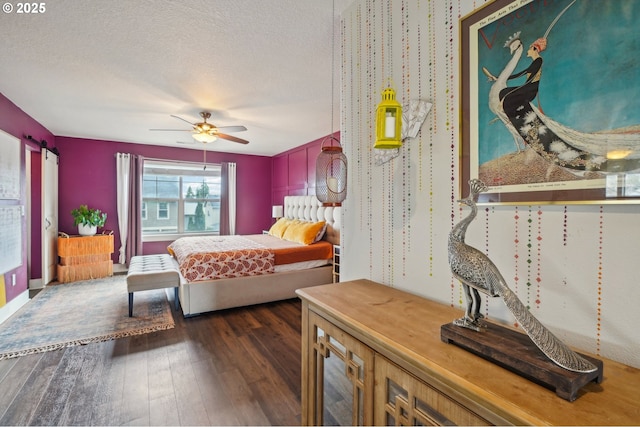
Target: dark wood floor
(233, 367)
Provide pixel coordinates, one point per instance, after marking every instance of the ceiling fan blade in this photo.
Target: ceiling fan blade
(174, 130)
(232, 138)
(180, 118)
(232, 128)
(186, 142)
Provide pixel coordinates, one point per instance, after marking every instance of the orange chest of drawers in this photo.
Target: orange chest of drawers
(84, 257)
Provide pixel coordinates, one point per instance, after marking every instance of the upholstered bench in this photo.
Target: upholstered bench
(147, 272)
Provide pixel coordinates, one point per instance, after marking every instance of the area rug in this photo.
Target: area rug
(82, 312)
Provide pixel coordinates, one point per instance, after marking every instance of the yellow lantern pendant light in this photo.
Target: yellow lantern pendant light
(388, 121)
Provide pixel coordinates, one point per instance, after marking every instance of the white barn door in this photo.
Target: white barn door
(49, 216)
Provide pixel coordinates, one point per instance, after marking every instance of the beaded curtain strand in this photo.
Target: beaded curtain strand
(385, 32)
(539, 259)
(600, 278)
(529, 257)
(420, 33)
(358, 117)
(516, 255)
(453, 162)
(431, 118)
(406, 150)
(389, 165)
(450, 109)
(486, 251)
(346, 70)
(565, 238)
(371, 56)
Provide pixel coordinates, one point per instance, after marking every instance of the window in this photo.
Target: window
(180, 199)
(163, 210)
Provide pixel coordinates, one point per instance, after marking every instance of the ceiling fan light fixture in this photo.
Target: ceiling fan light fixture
(206, 132)
(204, 137)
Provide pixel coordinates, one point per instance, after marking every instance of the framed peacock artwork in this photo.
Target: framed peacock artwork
(550, 101)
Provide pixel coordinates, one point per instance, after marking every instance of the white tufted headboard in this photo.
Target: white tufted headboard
(309, 208)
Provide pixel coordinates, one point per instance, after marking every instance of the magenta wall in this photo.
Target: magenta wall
(294, 171)
(87, 175)
(16, 122)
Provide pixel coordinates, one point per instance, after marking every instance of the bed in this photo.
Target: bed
(272, 269)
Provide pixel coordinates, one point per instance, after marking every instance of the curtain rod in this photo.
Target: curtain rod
(153, 159)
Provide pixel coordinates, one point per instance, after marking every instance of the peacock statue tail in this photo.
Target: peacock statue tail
(548, 343)
(478, 273)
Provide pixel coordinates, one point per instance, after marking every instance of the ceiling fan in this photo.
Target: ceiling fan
(206, 132)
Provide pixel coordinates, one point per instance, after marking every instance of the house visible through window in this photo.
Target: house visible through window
(180, 199)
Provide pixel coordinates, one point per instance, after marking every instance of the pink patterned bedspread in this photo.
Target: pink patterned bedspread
(221, 257)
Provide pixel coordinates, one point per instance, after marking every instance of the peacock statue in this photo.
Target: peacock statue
(478, 274)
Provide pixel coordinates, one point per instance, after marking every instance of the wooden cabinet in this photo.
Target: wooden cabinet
(372, 354)
(84, 257)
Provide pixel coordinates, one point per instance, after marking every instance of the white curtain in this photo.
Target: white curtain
(232, 198)
(123, 176)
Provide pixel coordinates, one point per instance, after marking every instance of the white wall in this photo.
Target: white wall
(397, 216)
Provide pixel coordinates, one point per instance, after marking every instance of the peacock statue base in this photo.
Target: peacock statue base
(514, 351)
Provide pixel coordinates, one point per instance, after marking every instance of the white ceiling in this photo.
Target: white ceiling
(113, 69)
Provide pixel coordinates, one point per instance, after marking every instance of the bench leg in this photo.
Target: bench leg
(130, 304)
(176, 299)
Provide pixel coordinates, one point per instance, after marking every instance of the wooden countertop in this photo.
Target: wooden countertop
(406, 329)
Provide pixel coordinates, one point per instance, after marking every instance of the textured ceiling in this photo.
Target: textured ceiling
(113, 69)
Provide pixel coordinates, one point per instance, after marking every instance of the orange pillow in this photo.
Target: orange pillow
(303, 232)
(281, 225)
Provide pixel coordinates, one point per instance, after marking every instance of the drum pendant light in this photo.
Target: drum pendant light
(331, 164)
(331, 174)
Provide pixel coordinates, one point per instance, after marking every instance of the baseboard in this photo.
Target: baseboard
(35, 284)
(119, 269)
(14, 305)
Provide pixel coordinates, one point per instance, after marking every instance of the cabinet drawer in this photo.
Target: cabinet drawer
(402, 399)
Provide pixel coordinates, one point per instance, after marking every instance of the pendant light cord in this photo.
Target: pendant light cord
(333, 42)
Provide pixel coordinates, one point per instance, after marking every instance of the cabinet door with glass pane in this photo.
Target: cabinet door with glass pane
(339, 382)
(403, 400)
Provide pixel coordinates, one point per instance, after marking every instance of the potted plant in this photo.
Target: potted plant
(88, 220)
